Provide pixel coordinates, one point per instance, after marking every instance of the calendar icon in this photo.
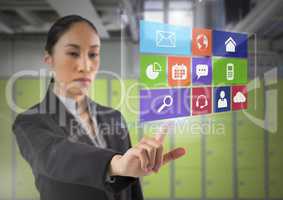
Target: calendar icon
(179, 72)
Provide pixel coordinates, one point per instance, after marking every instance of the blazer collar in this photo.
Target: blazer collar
(63, 116)
(71, 105)
(65, 119)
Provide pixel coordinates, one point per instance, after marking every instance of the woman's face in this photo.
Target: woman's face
(75, 59)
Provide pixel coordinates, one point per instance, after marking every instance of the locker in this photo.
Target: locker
(218, 156)
(152, 184)
(99, 91)
(188, 168)
(6, 138)
(193, 148)
(129, 107)
(275, 183)
(219, 182)
(116, 94)
(251, 183)
(187, 182)
(251, 154)
(157, 185)
(28, 93)
(275, 152)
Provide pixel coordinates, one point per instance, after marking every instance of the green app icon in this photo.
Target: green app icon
(227, 71)
(153, 71)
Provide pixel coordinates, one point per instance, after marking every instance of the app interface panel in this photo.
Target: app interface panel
(191, 71)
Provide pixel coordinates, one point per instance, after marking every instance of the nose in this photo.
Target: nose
(84, 64)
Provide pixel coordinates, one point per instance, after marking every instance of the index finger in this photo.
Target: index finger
(162, 133)
(160, 137)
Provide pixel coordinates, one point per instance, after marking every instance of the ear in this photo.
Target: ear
(48, 59)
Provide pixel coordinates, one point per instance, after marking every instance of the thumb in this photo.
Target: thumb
(173, 155)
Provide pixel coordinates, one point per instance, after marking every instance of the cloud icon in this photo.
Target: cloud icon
(239, 98)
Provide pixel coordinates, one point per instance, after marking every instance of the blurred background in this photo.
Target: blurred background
(246, 162)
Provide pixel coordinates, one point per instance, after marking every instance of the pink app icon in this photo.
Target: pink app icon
(201, 100)
(239, 97)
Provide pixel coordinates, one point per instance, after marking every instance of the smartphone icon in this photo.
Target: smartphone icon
(230, 71)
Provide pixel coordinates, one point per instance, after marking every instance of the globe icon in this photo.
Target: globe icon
(202, 41)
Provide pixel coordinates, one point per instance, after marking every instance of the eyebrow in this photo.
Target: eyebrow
(78, 46)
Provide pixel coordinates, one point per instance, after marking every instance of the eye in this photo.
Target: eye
(73, 54)
(93, 55)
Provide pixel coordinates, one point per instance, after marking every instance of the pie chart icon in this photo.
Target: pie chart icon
(153, 70)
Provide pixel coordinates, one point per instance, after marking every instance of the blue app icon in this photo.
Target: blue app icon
(164, 38)
(228, 44)
(222, 101)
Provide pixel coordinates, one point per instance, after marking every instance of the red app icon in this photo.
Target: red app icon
(239, 97)
(201, 100)
(201, 42)
(179, 69)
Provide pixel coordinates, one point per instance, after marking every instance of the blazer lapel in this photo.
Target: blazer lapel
(63, 118)
(108, 133)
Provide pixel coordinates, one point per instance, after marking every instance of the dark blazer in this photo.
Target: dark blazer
(68, 169)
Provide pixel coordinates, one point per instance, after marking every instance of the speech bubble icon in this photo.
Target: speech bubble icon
(201, 70)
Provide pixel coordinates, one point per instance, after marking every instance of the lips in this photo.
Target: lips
(84, 82)
(83, 79)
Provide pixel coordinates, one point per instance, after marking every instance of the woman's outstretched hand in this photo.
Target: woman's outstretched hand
(144, 158)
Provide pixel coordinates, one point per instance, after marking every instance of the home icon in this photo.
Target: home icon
(230, 45)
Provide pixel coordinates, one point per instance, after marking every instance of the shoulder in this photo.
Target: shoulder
(33, 115)
(29, 113)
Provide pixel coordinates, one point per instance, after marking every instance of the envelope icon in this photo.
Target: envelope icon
(165, 39)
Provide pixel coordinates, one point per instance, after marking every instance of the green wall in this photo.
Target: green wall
(5, 145)
(250, 149)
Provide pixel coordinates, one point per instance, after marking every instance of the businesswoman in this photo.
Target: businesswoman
(78, 149)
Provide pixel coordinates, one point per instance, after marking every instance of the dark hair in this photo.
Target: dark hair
(60, 27)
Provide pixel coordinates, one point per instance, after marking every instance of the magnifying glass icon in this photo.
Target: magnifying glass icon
(167, 102)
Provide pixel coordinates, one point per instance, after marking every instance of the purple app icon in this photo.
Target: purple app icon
(160, 104)
(201, 71)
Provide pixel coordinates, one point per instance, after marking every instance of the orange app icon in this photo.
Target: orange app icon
(179, 71)
(201, 42)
